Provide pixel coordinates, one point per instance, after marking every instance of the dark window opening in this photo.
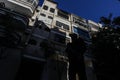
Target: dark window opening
(37, 10)
(35, 4)
(59, 24)
(42, 14)
(32, 42)
(40, 27)
(62, 25)
(52, 10)
(81, 32)
(66, 27)
(79, 22)
(45, 7)
(78, 19)
(50, 17)
(2, 4)
(63, 14)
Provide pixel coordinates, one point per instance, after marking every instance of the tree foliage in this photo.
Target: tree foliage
(106, 49)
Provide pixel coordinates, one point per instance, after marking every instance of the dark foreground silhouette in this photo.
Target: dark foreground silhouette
(75, 51)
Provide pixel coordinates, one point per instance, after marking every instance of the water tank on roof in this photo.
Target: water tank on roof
(25, 7)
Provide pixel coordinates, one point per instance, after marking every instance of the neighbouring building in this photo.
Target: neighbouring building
(26, 7)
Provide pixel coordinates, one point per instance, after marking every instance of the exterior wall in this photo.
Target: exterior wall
(55, 69)
(80, 27)
(51, 22)
(45, 19)
(94, 27)
(50, 4)
(34, 17)
(49, 16)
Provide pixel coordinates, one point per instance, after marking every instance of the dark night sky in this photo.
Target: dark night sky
(90, 9)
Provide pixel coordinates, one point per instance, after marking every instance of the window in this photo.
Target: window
(50, 17)
(45, 7)
(66, 27)
(79, 21)
(63, 14)
(42, 14)
(52, 10)
(58, 24)
(62, 25)
(81, 32)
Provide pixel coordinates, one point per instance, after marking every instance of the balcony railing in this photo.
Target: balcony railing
(29, 4)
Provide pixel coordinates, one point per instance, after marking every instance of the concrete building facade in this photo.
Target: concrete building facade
(48, 33)
(61, 24)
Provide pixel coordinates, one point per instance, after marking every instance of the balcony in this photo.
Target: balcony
(12, 19)
(25, 7)
(63, 14)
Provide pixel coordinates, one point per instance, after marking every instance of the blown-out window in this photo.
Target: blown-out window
(52, 10)
(62, 25)
(50, 17)
(81, 32)
(42, 14)
(80, 21)
(63, 14)
(45, 7)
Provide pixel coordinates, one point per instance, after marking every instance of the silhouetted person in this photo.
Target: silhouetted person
(75, 51)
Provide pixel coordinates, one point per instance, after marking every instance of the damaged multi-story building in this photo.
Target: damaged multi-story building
(43, 33)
